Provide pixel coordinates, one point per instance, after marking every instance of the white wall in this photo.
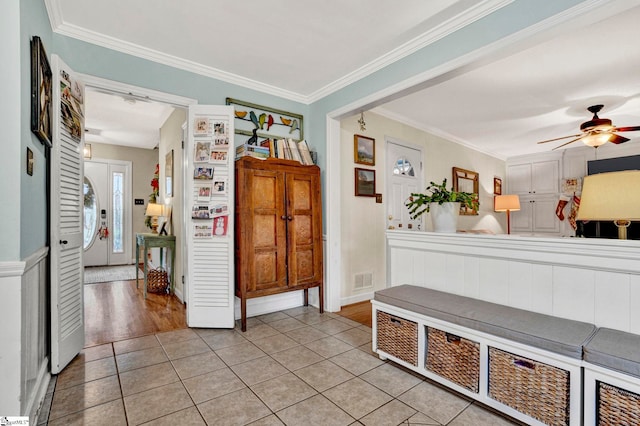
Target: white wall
(171, 139)
(363, 220)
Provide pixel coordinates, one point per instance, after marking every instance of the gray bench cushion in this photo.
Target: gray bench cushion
(616, 350)
(559, 335)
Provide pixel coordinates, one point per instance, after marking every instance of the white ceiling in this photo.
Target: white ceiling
(306, 51)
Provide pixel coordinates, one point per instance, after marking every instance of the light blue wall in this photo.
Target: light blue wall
(106, 63)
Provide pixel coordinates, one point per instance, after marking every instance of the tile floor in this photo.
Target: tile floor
(295, 367)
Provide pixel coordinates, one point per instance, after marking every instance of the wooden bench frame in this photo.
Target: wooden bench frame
(572, 365)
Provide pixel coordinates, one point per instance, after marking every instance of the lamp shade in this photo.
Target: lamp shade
(610, 196)
(154, 209)
(505, 203)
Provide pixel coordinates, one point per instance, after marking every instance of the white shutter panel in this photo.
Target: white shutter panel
(67, 204)
(210, 274)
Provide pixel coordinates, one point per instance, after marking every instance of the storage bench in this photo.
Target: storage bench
(525, 364)
(612, 378)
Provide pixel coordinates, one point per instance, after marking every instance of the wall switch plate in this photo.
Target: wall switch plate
(378, 198)
(139, 202)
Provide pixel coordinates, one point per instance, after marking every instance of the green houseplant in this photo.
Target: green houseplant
(420, 203)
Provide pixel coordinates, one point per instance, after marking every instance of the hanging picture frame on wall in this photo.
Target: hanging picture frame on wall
(364, 150)
(41, 92)
(168, 174)
(365, 182)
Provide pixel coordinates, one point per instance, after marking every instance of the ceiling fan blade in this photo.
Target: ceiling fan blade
(626, 129)
(617, 139)
(563, 137)
(567, 143)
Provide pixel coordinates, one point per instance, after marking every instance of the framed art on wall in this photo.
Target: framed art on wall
(267, 122)
(365, 182)
(497, 186)
(168, 174)
(364, 150)
(41, 92)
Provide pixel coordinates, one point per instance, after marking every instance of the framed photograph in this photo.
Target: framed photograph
(219, 186)
(365, 182)
(269, 123)
(200, 212)
(218, 156)
(168, 174)
(30, 162)
(201, 153)
(201, 126)
(203, 173)
(204, 193)
(497, 186)
(41, 92)
(364, 150)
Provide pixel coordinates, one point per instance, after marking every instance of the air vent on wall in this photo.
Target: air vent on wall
(363, 280)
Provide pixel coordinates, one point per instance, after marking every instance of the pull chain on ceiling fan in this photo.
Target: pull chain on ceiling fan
(596, 132)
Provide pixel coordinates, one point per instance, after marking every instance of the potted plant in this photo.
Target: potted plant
(445, 204)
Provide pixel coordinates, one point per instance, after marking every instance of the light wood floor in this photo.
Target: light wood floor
(117, 311)
(359, 312)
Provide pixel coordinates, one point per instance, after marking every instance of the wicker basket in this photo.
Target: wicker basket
(536, 389)
(157, 281)
(454, 358)
(398, 337)
(617, 406)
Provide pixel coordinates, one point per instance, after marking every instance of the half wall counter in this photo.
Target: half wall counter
(590, 280)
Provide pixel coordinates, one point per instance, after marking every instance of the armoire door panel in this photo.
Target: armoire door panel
(265, 230)
(302, 193)
(303, 227)
(266, 271)
(266, 190)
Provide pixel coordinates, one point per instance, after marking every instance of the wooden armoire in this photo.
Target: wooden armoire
(278, 234)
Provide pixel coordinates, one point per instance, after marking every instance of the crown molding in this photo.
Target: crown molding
(434, 131)
(450, 26)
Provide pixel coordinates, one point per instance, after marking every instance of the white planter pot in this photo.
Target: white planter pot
(444, 217)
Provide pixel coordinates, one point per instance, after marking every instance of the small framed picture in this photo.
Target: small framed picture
(218, 156)
(497, 186)
(201, 126)
(219, 186)
(365, 182)
(204, 193)
(201, 153)
(203, 173)
(364, 150)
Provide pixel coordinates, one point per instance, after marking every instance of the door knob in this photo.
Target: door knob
(289, 217)
(283, 217)
(63, 242)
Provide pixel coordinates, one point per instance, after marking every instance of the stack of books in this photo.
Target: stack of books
(290, 149)
(252, 151)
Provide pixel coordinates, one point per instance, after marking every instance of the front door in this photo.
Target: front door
(404, 171)
(107, 212)
(67, 304)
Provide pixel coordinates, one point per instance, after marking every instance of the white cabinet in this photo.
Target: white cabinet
(536, 177)
(537, 215)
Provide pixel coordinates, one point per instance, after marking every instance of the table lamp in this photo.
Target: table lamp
(154, 210)
(611, 196)
(507, 203)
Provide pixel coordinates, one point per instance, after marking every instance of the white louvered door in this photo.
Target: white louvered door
(209, 277)
(67, 203)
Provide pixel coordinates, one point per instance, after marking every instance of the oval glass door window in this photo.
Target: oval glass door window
(403, 167)
(90, 214)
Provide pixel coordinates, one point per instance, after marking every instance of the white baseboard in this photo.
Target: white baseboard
(37, 397)
(356, 298)
(269, 304)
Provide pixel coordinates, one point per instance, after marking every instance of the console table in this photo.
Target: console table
(147, 241)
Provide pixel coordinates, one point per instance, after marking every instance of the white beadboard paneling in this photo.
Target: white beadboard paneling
(611, 300)
(520, 284)
(493, 281)
(573, 293)
(634, 304)
(542, 289)
(435, 275)
(471, 277)
(455, 273)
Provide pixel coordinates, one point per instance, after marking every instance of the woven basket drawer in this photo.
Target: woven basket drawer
(616, 406)
(454, 358)
(536, 389)
(398, 337)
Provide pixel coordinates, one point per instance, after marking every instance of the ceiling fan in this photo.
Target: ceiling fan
(596, 131)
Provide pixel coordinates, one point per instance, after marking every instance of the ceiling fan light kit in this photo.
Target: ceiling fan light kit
(596, 132)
